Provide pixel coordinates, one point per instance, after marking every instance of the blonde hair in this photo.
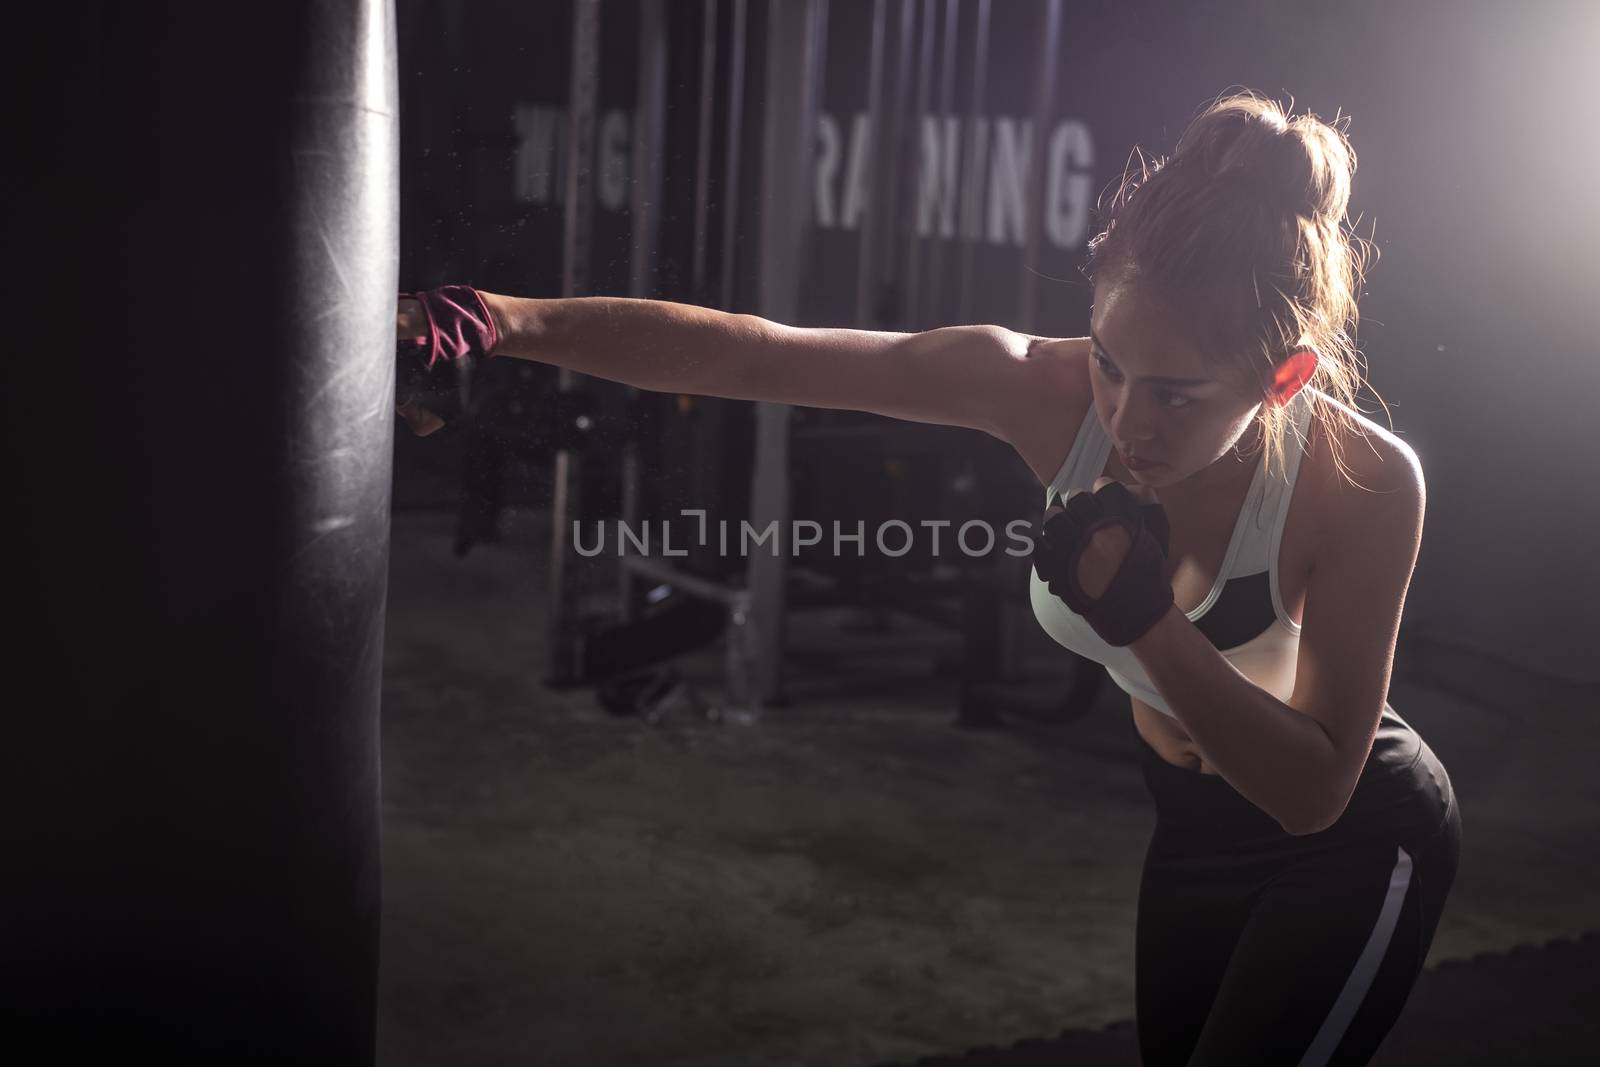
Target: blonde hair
(1246, 225)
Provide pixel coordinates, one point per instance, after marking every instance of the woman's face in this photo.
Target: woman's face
(1157, 398)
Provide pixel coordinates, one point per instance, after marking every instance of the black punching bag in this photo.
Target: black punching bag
(204, 466)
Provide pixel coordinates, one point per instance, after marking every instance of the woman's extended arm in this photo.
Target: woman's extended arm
(959, 375)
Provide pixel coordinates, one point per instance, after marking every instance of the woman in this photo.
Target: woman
(1234, 544)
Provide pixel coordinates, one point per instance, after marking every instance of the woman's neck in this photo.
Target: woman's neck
(1222, 480)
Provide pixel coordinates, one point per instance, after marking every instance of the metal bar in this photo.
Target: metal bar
(867, 240)
(897, 208)
(706, 408)
(972, 183)
(704, 413)
(574, 282)
(649, 124)
(1043, 108)
(795, 51)
(702, 162)
(913, 303)
(731, 168)
(652, 92)
(947, 105)
(654, 569)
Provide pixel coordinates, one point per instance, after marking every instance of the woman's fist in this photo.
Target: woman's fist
(1108, 546)
(420, 419)
(410, 329)
(410, 323)
(440, 334)
(1103, 553)
(412, 335)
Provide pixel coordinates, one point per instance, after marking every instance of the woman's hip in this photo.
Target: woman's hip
(1403, 796)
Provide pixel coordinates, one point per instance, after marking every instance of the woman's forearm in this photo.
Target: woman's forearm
(651, 344)
(972, 376)
(1277, 757)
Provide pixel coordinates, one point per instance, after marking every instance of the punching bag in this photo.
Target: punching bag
(204, 461)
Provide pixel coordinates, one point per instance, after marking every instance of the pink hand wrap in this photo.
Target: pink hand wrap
(459, 324)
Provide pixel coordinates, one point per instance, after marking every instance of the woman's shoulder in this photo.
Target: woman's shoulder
(1059, 367)
(1362, 447)
(1362, 470)
(1055, 399)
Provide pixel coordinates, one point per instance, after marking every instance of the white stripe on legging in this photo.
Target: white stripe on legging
(1366, 968)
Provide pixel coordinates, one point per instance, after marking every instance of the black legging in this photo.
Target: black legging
(1256, 946)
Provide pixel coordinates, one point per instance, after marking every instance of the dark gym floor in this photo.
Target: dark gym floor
(853, 880)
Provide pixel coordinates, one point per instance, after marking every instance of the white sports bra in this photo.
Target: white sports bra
(1243, 615)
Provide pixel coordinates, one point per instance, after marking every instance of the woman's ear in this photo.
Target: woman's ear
(1291, 375)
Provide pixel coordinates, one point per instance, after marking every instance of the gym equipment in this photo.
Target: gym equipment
(194, 876)
(673, 624)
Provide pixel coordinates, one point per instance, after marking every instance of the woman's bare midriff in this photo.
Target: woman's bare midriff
(1162, 733)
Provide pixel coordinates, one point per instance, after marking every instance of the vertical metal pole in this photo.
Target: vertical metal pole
(702, 161)
(795, 44)
(704, 413)
(947, 106)
(877, 119)
(574, 282)
(461, 249)
(913, 303)
(735, 139)
(649, 124)
(1043, 109)
(741, 654)
(972, 175)
(897, 208)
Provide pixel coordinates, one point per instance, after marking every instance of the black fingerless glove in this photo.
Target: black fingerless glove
(1139, 593)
